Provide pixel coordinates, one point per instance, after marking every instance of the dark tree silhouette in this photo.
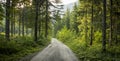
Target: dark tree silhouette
(46, 22)
(111, 30)
(36, 20)
(7, 23)
(91, 39)
(104, 27)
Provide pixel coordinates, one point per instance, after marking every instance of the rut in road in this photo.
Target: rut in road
(56, 51)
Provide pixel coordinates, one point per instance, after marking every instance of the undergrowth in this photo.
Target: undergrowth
(19, 47)
(84, 51)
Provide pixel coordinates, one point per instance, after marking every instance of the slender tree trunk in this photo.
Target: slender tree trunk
(46, 22)
(11, 26)
(39, 23)
(116, 25)
(39, 28)
(7, 23)
(12, 19)
(116, 35)
(91, 39)
(23, 22)
(36, 21)
(26, 31)
(19, 24)
(104, 27)
(86, 40)
(14, 30)
(111, 30)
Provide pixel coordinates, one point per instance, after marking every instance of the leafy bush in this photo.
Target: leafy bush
(66, 35)
(98, 36)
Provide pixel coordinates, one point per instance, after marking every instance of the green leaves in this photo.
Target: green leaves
(66, 35)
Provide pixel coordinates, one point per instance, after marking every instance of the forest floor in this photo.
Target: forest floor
(56, 51)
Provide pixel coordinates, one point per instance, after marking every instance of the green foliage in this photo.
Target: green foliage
(25, 41)
(19, 47)
(43, 41)
(98, 36)
(8, 47)
(88, 53)
(66, 35)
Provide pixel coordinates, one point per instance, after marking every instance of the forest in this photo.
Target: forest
(91, 29)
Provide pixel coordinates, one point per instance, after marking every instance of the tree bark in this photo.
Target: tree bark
(46, 22)
(104, 27)
(7, 23)
(23, 22)
(86, 38)
(116, 25)
(91, 36)
(111, 30)
(19, 24)
(36, 21)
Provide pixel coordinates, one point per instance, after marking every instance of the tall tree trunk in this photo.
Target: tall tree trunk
(7, 23)
(116, 35)
(11, 22)
(14, 30)
(86, 38)
(91, 35)
(104, 27)
(39, 28)
(46, 22)
(36, 21)
(41, 16)
(116, 25)
(111, 30)
(23, 22)
(12, 18)
(26, 31)
(39, 23)
(19, 24)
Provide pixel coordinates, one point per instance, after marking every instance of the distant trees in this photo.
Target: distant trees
(25, 17)
(73, 19)
(67, 19)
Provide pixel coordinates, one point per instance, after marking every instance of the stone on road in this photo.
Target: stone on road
(56, 51)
